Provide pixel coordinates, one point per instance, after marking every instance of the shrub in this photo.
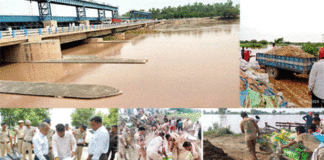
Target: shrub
(264, 42)
(310, 48)
(254, 41)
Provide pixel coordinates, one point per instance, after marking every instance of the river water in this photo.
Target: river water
(196, 67)
(234, 120)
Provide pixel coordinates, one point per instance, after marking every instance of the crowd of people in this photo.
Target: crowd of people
(156, 136)
(61, 143)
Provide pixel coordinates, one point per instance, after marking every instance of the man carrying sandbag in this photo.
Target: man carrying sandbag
(250, 128)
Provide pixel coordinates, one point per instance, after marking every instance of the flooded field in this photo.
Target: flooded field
(294, 88)
(190, 64)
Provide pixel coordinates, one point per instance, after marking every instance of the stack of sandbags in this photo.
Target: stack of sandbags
(289, 51)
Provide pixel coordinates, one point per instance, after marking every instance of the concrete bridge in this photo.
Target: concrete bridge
(43, 44)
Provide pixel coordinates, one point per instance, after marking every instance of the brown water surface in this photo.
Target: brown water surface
(189, 65)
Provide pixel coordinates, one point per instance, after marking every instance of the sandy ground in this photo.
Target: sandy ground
(235, 147)
(295, 89)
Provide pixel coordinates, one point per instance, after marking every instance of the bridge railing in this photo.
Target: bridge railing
(59, 30)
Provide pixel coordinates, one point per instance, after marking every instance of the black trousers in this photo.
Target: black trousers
(112, 152)
(46, 156)
(317, 102)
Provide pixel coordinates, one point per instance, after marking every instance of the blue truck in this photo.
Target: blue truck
(279, 66)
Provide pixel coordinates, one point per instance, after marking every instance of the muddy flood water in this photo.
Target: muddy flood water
(190, 64)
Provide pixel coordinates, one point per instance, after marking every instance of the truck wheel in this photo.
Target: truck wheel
(272, 72)
(276, 156)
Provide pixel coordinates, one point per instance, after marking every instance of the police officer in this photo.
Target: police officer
(49, 136)
(80, 135)
(29, 133)
(19, 135)
(5, 139)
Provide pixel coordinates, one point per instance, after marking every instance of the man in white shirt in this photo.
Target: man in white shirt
(99, 144)
(40, 143)
(67, 128)
(63, 143)
(156, 148)
(316, 82)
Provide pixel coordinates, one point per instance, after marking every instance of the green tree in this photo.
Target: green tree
(279, 40)
(12, 115)
(222, 110)
(82, 116)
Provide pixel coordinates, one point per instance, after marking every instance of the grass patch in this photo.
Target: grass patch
(109, 38)
(141, 31)
(216, 131)
(252, 45)
(193, 119)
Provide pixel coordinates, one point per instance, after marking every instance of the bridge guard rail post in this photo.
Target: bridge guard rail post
(56, 30)
(40, 31)
(26, 32)
(0, 35)
(63, 29)
(13, 33)
(49, 30)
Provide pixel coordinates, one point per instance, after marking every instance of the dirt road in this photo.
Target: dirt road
(295, 89)
(235, 147)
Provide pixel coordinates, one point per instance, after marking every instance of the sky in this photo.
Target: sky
(63, 115)
(24, 7)
(295, 21)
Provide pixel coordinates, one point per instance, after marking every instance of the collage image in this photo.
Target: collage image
(161, 80)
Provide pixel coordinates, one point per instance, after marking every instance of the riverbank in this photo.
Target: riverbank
(235, 146)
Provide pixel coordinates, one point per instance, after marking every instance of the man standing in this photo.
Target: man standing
(62, 143)
(19, 135)
(99, 144)
(5, 139)
(316, 81)
(309, 119)
(126, 135)
(113, 142)
(173, 125)
(250, 128)
(40, 142)
(80, 135)
(29, 133)
(49, 136)
(67, 128)
(140, 143)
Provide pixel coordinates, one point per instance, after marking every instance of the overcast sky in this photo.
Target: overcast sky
(24, 7)
(299, 21)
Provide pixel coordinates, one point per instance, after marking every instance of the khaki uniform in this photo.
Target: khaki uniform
(4, 142)
(27, 144)
(49, 139)
(19, 135)
(79, 137)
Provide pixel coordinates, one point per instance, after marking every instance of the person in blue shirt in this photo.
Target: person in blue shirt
(312, 130)
(309, 119)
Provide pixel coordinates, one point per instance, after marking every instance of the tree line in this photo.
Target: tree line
(224, 10)
(36, 115)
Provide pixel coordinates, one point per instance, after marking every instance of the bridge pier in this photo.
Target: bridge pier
(50, 23)
(85, 22)
(32, 51)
